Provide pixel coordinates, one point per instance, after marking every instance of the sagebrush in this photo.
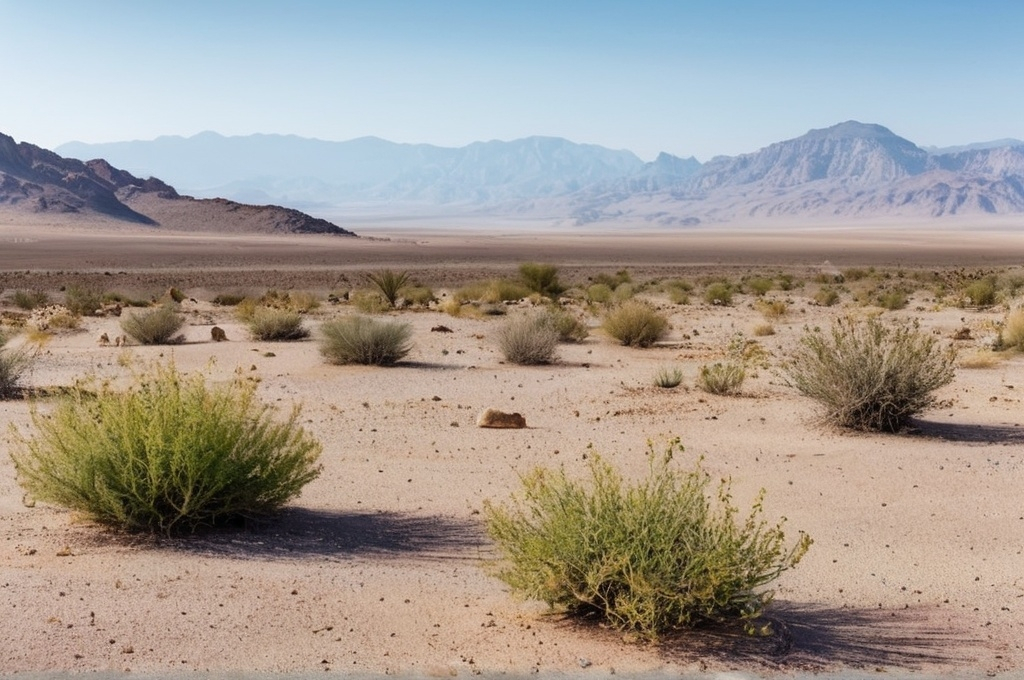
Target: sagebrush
(869, 375)
(158, 326)
(651, 557)
(270, 324)
(528, 339)
(635, 323)
(364, 340)
(168, 455)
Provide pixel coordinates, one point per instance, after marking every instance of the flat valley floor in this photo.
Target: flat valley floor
(381, 566)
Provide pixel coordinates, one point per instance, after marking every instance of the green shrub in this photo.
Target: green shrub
(892, 299)
(158, 326)
(789, 282)
(362, 340)
(758, 285)
(635, 324)
(568, 326)
(528, 339)
(981, 293)
(389, 284)
(612, 281)
(228, 299)
(599, 293)
(83, 301)
(541, 278)
(269, 324)
(13, 364)
(168, 455)
(722, 377)
(871, 376)
(369, 302)
(29, 300)
(493, 291)
(668, 378)
(718, 294)
(650, 558)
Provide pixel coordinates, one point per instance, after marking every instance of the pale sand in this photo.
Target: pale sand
(379, 566)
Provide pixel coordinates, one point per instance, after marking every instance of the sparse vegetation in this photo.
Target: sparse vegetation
(892, 299)
(721, 377)
(758, 285)
(83, 301)
(772, 309)
(635, 323)
(1011, 336)
(871, 376)
(363, 340)
(158, 326)
(493, 291)
(826, 296)
(369, 302)
(568, 326)
(541, 278)
(718, 293)
(168, 455)
(764, 329)
(528, 339)
(650, 558)
(13, 364)
(981, 293)
(269, 324)
(29, 299)
(668, 377)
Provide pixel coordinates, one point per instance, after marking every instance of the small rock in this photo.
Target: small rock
(217, 334)
(441, 329)
(499, 419)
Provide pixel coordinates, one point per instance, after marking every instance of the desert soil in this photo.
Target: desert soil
(381, 565)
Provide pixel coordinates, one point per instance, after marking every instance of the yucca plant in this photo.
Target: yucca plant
(389, 283)
(168, 455)
(653, 557)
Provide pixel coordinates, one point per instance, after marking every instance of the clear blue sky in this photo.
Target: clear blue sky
(688, 77)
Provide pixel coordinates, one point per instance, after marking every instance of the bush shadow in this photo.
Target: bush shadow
(970, 433)
(815, 638)
(301, 533)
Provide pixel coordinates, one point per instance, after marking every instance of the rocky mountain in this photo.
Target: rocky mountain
(847, 170)
(40, 181)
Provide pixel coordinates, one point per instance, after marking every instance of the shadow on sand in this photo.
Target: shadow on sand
(815, 638)
(300, 533)
(971, 433)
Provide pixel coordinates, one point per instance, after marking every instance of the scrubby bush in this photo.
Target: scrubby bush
(541, 278)
(362, 340)
(269, 324)
(528, 339)
(417, 295)
(493, 291)
(30, 299)
(228, 299)
(568, 326)
(871, 376)
(13, 364)
(1011, 336)
(772, 309)
(764, 329)
(635, 324)
(668, 377)
(826, 296)
(369, 302)
(600, 293)
(653, 557)
(892, 299)
(168, 455)
(389, 283)
(758, 285)
(981, 293)
(722, 377)
(718, 294)
(613, 281)
(83, 301)
(158, 326)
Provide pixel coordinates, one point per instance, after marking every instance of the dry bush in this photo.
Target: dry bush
(83, 301)
(157, 326)
(721, 377)
(29, 299)
(871, 376)
(758, 285)
(1012, 334)
(362, 340)
(668, 377)
(660, 555)
(826, 296)
(772, 309)
(528, 339)
(13, 364)
(568, 326)
(635, 323)
(981, 359)
(764, 329)
(369, 302)
(272, 325)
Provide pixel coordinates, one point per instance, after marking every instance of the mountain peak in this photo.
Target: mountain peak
(852, 129)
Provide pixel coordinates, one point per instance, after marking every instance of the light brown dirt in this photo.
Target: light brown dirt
(379, 567)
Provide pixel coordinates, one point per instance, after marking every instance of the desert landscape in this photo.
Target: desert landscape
(382, 565)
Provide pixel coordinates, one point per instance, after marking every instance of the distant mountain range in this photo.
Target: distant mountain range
(36, 180)
(847, 170)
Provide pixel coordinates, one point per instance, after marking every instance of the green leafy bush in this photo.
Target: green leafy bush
(981, 293)
(158, 326)
(892, 299)
(168, 455)
(653, 557)
(718, 294)
(722, 377)
(13, 364)
(269, 324)
(363, 340)
(869, 375)
(83, 301)
(635, 324)
(528, 339)
(30, 299)
(541, 278)
(389, 283)
(568, 326)
(759, 285)
(600, 293)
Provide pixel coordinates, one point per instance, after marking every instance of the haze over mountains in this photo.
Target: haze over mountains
(847, 170)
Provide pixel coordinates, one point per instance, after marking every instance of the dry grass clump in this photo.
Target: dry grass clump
(168, 455)
(528, 339)
(892, 299)
(668, 377)
(871, 376)
(660, 555)
(721, 377)
(273, 325)
(635, 323)
(228, 299)
(764, 329)
(418, 296)
(157, 326)
(369, 302)
(985, 358)
(772, 309)
(363, 340)
(13, 364)
(570, 328)
(826, 296)
(1011, 336)
(492, 292)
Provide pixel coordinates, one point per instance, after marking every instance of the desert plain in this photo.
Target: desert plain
(380, 567)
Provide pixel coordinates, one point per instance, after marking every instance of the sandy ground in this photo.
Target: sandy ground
(379, 567)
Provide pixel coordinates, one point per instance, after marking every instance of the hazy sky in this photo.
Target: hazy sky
(688, 77)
